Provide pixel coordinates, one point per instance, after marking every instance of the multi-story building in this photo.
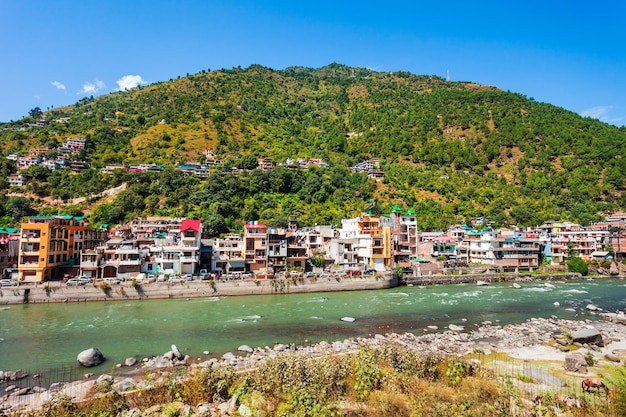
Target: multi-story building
(617, 242)
(26, 162)
(297, 250)
(344, 252)
(17, 180)
(444, 248)
(176, 252)
(50, 246)
(368, 240)
(405, 236)
(255, 244)
(228, 254)
(476, 248)
(9, 251)
(75, 145)
(277, 250)
(119, 257)
(380, 240)
(516, 252)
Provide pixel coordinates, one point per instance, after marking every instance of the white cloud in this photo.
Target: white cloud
(607, 114)
(58, 85)
(92, 88)
(129, 81)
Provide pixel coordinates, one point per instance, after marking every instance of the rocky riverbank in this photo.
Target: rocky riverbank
(548, 340)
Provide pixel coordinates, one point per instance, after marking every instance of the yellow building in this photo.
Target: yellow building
(381, 239)
(50, 246)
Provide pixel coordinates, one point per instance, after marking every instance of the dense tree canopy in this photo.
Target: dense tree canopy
(451, 151)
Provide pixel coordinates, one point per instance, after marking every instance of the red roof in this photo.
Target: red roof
(255, 226)
(190, 224)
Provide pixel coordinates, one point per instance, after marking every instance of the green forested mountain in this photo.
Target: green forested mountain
(452, 151)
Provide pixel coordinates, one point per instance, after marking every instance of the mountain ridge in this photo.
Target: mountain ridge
(450, 150)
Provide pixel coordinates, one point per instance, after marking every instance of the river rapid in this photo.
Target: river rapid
(42, 336)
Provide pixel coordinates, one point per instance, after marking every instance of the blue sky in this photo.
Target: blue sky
(570, 54)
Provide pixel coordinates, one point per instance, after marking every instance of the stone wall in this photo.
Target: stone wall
(473, 278)
(52, 292)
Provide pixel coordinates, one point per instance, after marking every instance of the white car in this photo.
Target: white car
(8, 283)
(83, 280)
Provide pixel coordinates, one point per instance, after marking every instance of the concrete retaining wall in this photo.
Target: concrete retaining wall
(473, 278)
(57, 292)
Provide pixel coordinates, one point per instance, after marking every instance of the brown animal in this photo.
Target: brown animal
(589, 384)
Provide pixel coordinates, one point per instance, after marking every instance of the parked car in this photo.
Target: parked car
(353, 272)
(208, 276)
(150, 278)
(8, 283)
(175, 280)
(369, 272)
(74, 281)
(203, 273)
(85, 280)
(188, 277)
(113, 281)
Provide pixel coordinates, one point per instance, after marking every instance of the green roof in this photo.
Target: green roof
(59, 216)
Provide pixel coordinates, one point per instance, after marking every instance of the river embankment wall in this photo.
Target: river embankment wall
(494, 277)
(59, 292)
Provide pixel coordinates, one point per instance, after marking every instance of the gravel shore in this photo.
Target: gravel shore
(533, 340)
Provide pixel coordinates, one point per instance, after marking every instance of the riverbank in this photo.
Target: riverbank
(59, 292)
(533, 348)
(496, 277)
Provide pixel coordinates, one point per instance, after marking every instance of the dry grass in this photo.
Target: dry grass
(388, 381)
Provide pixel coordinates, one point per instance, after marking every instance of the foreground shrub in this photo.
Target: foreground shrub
(385, 381)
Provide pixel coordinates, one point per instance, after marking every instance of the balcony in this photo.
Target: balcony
(254, 234)
(128, 262)
(188, 259)
(127, 250)
(30, 253)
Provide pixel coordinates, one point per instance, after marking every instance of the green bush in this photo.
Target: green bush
(578, 265)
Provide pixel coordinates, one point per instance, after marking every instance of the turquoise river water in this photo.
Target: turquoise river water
(41, 336)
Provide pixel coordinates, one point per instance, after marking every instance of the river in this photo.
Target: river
(41, 336)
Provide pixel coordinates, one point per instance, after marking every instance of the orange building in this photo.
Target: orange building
(381, 239)
(50, 246)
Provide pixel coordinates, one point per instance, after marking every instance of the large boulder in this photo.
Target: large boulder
(619, 318)
(588, 336)
(90, 357)
(575, 363)
(176, 352)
